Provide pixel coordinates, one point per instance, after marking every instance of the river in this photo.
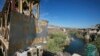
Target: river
(76, 46)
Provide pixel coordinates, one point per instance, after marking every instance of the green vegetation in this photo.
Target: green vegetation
(97, 43)
(93, 47)
(56, 42)
(91, 50)
(76, 33)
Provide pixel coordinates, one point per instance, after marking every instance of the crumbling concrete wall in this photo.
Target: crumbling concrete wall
(22, 32)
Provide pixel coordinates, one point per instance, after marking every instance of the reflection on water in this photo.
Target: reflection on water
(76, 46)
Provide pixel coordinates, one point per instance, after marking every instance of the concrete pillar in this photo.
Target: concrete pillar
(40, 52)
(37, 11)
(1, 22)
(5, 53)
(1, 26)
(31, 7)
(12, 4)
(20, 5)
(87, 37)
(5, 19)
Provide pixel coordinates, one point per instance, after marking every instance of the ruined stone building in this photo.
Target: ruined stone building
(18, 25)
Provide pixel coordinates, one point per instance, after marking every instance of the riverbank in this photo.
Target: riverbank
(76, 46)
(64, 43)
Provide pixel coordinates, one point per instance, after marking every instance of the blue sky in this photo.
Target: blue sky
(1, 4)
(71, 13)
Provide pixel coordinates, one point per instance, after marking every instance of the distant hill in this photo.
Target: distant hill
(53, 26)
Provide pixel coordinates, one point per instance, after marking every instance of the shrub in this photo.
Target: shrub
(56, 42)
